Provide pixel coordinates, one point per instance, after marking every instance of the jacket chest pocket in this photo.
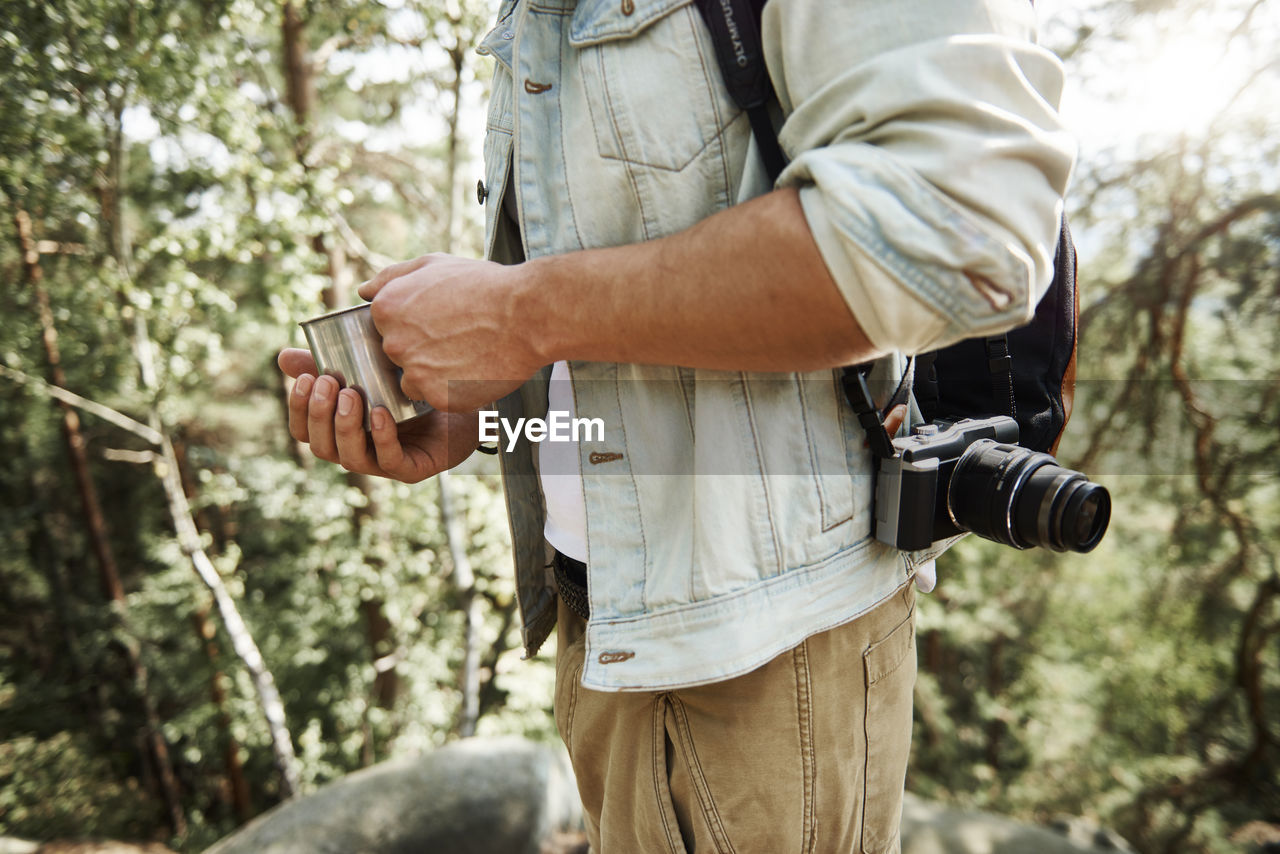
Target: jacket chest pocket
(651, 81)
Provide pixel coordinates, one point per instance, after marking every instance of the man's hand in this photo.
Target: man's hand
(331, 420)
(453, 326)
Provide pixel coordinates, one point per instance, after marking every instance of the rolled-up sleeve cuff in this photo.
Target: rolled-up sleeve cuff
(914, 270)
(932, 178)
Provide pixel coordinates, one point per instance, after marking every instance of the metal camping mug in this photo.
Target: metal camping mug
(346, 345)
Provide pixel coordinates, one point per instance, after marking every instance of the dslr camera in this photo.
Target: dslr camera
(970, 475)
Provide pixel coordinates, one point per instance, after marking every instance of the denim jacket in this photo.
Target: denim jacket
(729, 514)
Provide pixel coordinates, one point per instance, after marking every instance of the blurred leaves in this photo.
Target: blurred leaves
(1140, 685)
(172, 188)
(158, 151)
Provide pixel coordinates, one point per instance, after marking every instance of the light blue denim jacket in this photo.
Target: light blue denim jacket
(729, 514)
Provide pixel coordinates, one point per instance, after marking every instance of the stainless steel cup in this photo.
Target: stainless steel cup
(346, 345)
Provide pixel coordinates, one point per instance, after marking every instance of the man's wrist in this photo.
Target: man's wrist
(539, 309)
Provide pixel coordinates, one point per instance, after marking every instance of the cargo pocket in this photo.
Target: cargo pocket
(651, 79)
(677, 824)
(890, 667)
(568, 680)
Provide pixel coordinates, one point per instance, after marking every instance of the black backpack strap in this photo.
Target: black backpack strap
(925, 385)
(1043, 376)
(735, 32)
(1000, 364)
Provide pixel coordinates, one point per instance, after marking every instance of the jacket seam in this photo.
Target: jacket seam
(635, 487)
(699, 29)
(764, 484)
(564, 163)
(810, 442)
(617, 133)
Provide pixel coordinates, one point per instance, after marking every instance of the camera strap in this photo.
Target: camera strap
(735, 32)
(854, 382)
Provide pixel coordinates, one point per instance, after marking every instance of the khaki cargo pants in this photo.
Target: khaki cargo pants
(806, 754)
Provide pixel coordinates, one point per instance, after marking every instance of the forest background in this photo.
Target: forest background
(197, 621)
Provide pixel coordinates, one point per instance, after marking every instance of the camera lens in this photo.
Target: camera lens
(1023, 499)
(1085, 516)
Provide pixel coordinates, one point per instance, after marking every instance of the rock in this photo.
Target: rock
(11, 845)
(1085, 832)
(102, 847)
(929, 828)
(574, 842)
(477, 796)
(511, 796)
(1258, 836)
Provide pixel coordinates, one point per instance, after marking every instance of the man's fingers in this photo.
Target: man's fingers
(412, 391)
(295, 362)
(324, 399)
(349, 435)
(370, 289)
(894, 417)
(298, 402)
(387, 448)
(892, 421)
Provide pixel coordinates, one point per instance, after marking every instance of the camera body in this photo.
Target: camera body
(909, 511)
(971, 475)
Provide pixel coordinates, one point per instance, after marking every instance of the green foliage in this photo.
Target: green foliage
(190, 212)
(51, 785)
(188, 216)
(1139, 685)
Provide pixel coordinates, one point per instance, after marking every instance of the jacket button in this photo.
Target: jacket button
(481, 192)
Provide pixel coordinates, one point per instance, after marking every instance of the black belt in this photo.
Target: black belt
(571, 580)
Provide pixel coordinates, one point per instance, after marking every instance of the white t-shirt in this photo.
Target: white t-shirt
(560, 470)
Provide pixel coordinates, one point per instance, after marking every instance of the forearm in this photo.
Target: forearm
(745, 289)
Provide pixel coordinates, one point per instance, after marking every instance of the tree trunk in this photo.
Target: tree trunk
(189, 540)
(995, 687)
(450, 513)
(299, 82)
(236, 788)
(46, 553)
(241, 639)
(386, 684)
(464, 581)
(188, 535)
(457, 56)
(299, 73)
(95, 522)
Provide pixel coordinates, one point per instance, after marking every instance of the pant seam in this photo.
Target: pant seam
(808, 755)
(661, 795)
(866, 750)
(575, 680)
(868, 685)
(709, 811)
